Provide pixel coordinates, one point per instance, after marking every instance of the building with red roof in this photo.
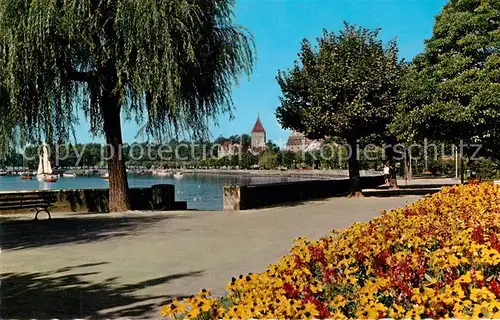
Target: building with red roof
(258, 136)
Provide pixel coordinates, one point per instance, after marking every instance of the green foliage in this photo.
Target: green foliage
(268, 160)
(346, 87)
(171, 62)
(248, 160)
(273, 147)
(286, 159)
(246, 142)
(451, 92)
(486, 168)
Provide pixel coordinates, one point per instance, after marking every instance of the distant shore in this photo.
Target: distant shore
(320, 174)
(304, 173)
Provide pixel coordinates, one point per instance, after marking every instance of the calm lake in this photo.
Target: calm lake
(202, 192)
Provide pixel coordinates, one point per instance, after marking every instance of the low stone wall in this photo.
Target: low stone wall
(158, 197)
(264, 195)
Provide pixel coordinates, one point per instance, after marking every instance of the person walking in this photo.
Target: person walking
(387, 173)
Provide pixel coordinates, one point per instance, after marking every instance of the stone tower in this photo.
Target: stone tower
(258, 136)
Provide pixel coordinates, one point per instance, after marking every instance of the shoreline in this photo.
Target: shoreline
(306, 173)
(322, 174)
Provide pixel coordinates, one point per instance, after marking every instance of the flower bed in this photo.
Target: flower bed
(438, 257)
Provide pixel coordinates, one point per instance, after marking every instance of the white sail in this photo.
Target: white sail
(40, 166)
(47, 168)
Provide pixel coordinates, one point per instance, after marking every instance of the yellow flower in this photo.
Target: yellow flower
(338, 301)
(173, 308)
(378, 261)
(371, 310)
(483, 294)
(309, 311)
(397, 311)
(481, 310)
(494, 310)
(194, 312)
(466, 278)
(452, 294)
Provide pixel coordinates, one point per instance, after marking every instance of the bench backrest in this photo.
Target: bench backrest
(26, 200)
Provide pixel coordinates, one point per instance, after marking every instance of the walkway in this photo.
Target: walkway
(99, 266)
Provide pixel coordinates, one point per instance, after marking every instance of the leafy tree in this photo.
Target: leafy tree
(451, 92)
(248, 160)
(224, 161)
(268, 160)
(286, 158)
(273, 147)
(235, 138)
(221, 140)
(246, 142)
(171, 62)
(346, 87)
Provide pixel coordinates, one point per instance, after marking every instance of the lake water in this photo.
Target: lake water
(202, 192)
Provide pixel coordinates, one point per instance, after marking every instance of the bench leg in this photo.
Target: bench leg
(42, 210)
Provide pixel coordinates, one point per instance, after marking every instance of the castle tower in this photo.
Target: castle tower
(258, 136)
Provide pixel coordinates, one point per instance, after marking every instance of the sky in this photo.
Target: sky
(278, 27)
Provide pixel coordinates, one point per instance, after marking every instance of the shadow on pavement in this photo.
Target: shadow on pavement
(65, 294)
(22, 234)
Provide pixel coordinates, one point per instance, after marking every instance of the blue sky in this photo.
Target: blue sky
(278, 26)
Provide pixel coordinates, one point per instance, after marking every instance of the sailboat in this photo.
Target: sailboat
(44, 172)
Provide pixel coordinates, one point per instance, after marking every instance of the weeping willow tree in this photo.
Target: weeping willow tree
(170, 62)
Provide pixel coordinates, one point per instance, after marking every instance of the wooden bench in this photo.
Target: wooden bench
(38, 201)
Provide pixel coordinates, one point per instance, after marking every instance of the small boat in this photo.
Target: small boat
(178, 175)
(105, 176)
(162, 173)
(26, 176)
(50, 178)
(69, 175)
(3, 173)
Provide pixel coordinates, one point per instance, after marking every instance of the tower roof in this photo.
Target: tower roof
(258, 126)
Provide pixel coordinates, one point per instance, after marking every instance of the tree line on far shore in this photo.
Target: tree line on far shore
(144, 156)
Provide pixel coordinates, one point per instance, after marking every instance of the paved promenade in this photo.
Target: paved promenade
(102, 266)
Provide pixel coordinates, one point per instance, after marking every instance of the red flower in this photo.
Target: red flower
(298, 261)
(323, 311)
(478, 235)
(317, 254)
(290, 292)
(381, 258)
(495, 287)
(495, 243)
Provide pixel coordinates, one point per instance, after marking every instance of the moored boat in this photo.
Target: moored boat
(178, 175)
(69, 175)
(105, 176)
(26, 176)
(50, 178)
(162, 173)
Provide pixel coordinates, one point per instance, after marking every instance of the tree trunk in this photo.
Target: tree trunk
(118, 184)
(354, 187)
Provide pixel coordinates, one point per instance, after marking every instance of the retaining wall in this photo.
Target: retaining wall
(264, 195)
(158, 197)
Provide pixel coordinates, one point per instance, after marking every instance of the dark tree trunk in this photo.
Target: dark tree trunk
(111, 108)
(354, 187)
(118, 184)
